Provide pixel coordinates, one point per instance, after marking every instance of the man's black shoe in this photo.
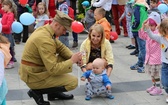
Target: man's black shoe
(38, 97)
(59, 95)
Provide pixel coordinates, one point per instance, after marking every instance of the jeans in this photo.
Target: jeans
(164, 76)
(65, 39)
(141, 48)
(75, 37)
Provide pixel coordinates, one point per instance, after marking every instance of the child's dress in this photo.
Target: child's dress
(4, 59)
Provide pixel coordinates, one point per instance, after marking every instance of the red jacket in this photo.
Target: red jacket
(7, 20)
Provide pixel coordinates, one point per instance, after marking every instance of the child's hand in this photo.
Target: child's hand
(145, 25)
(108, 87)
(83, 78)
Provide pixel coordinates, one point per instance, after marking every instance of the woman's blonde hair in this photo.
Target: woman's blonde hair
(44, 5)
(11, 5)
(99, 29)
(163, 27)
(3, 39)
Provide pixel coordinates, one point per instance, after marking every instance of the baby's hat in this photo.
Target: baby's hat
(155, 17)
(86, 3)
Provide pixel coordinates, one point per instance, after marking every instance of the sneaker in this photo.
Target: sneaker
(150, 89)
(131, 47)
(110, 97)
(75, 44)
(128, 46)
(156, 91)
(134, 52)
(134, 67)
(10, 65)
(87, 98)
(167, 99)
(140, 70)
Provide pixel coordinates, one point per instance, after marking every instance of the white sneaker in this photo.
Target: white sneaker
(167, 99)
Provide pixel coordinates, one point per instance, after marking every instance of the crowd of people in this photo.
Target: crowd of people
(47, 59)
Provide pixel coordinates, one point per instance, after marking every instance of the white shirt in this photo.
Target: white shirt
(105, 4)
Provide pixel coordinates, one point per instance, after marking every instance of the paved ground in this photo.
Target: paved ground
(128, 85)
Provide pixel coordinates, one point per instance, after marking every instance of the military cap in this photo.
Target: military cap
(63, 19)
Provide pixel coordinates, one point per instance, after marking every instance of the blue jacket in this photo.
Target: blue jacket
(97, 79)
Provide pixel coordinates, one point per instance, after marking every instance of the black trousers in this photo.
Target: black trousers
(25, 32)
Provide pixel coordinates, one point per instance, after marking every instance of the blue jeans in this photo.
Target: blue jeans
(164, 76)
(75, 37)
(141, 48)
(65, 39)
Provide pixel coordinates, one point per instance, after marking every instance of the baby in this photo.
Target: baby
(98, 81)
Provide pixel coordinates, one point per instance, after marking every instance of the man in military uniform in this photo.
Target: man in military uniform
(46, 62)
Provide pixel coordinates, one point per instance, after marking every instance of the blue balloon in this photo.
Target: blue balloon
(17, 27)
(27, 18)
(163, 8)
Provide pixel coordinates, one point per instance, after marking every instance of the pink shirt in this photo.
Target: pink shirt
(153, 49)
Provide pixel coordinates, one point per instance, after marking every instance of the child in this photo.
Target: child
(89, 15)
(139, 16)
(128, 13)
(153, 6)
(163, 40)
(99, 82)
(153, 54)
(7, 19)
(22, 9)
(99, 15)
(4, 59)
(41, 15)
(1, 10)
(63, 7)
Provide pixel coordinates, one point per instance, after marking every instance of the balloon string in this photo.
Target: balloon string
(43, 19)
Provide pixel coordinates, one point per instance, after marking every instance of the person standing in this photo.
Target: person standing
(22, 9)
(117, 8)
(51, 5)
(8, 18)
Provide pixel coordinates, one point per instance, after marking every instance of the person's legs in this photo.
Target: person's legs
(108, 16)
(164, 77)
(17, 37)
(88, 91)
(115, 18)
(75, 39)
(25, 33)
(142, 52)
(121, 9)
(65, 39)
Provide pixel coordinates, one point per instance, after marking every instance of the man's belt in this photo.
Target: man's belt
(29, 63)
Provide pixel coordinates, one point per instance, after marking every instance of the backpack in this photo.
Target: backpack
(71, 12)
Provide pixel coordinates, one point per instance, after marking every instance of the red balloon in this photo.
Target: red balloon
(23, 2)
(77, 27)
(113, 35)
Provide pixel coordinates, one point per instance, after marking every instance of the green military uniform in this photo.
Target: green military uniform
(52, 60)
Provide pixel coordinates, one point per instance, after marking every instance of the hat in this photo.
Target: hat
(85, 3)
(154, 16)
(63, 19)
